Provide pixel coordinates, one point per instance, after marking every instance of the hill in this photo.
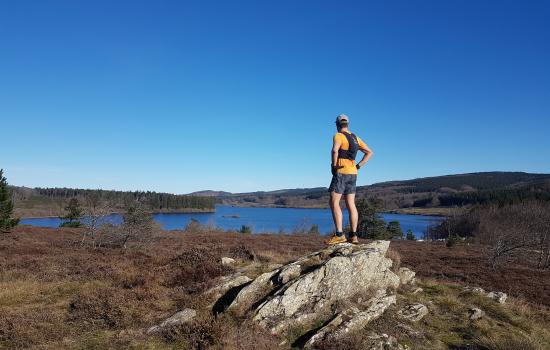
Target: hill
(469, 181)
(432, 194)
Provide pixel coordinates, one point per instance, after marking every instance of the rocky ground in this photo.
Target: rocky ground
(350, 297)
(207, 290)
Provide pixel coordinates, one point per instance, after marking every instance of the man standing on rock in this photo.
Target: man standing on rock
(344, 177)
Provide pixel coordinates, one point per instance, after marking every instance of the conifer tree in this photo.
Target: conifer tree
(371, 225)
(6, 206)
(74, 212)
(394, 230)
(410, 235)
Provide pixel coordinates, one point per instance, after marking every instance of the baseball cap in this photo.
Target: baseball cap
(342, 118)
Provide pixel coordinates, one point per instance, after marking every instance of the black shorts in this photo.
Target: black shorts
(343, 183)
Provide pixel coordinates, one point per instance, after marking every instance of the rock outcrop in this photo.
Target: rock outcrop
(227, 283)
(330, 297)
(225, 291)
(413, 312)
(309, 290)
(406, 275)
(352, 320)
(177, 319)
(476, 313)
(386, 342)
(499, 297)
(228, 261)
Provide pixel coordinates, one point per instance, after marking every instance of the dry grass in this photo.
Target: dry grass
(57, 295)
(447, 326)
(469, 265)
(507, 342)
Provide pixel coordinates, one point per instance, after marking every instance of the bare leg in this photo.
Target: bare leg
(352, 209)
(336, 210)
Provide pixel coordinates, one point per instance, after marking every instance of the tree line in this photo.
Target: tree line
(539, 191)
(502, 196)
(478, 181)
(122, 199)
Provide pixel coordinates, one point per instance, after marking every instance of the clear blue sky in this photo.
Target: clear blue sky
(180, 96)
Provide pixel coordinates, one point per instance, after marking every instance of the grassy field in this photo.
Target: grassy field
(55, 294)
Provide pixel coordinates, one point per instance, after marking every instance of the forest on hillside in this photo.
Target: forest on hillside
(51, 201)
(477, 181)
(431, 192)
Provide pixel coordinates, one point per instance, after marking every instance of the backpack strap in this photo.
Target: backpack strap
(353, 147)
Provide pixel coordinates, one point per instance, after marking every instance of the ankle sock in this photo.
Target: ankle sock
(339, 234)
(351, 234)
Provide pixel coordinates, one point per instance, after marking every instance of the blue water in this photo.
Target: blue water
(273, 220)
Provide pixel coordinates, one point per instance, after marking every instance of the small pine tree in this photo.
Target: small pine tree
(451, 241)
(371, 225)
(245, 229)
(6, 206)
(410, 235)
(74, 213)
(314, 230)
(394, 230)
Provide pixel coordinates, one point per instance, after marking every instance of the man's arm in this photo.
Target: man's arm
(336, 144)
(367, 154)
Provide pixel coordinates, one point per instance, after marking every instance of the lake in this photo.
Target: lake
(261, 220)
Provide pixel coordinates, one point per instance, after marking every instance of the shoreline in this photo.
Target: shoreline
(401, 211)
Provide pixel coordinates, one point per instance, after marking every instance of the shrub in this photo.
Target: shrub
(458, 224)
(410, 236)
(103, 307)
(97, 227)
(206, 332)
(314, 230)
(516, 228)
(194, 226)
(451, 242)
(194, 269)
(137, 227)
(305, 227)
(245, 229)
(242, 252)
(73, 224)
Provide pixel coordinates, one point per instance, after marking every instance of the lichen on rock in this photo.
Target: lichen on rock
(308, 290)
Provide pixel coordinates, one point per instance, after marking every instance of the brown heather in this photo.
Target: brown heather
(55, 294)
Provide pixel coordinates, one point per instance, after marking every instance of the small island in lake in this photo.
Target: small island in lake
(232, 216)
